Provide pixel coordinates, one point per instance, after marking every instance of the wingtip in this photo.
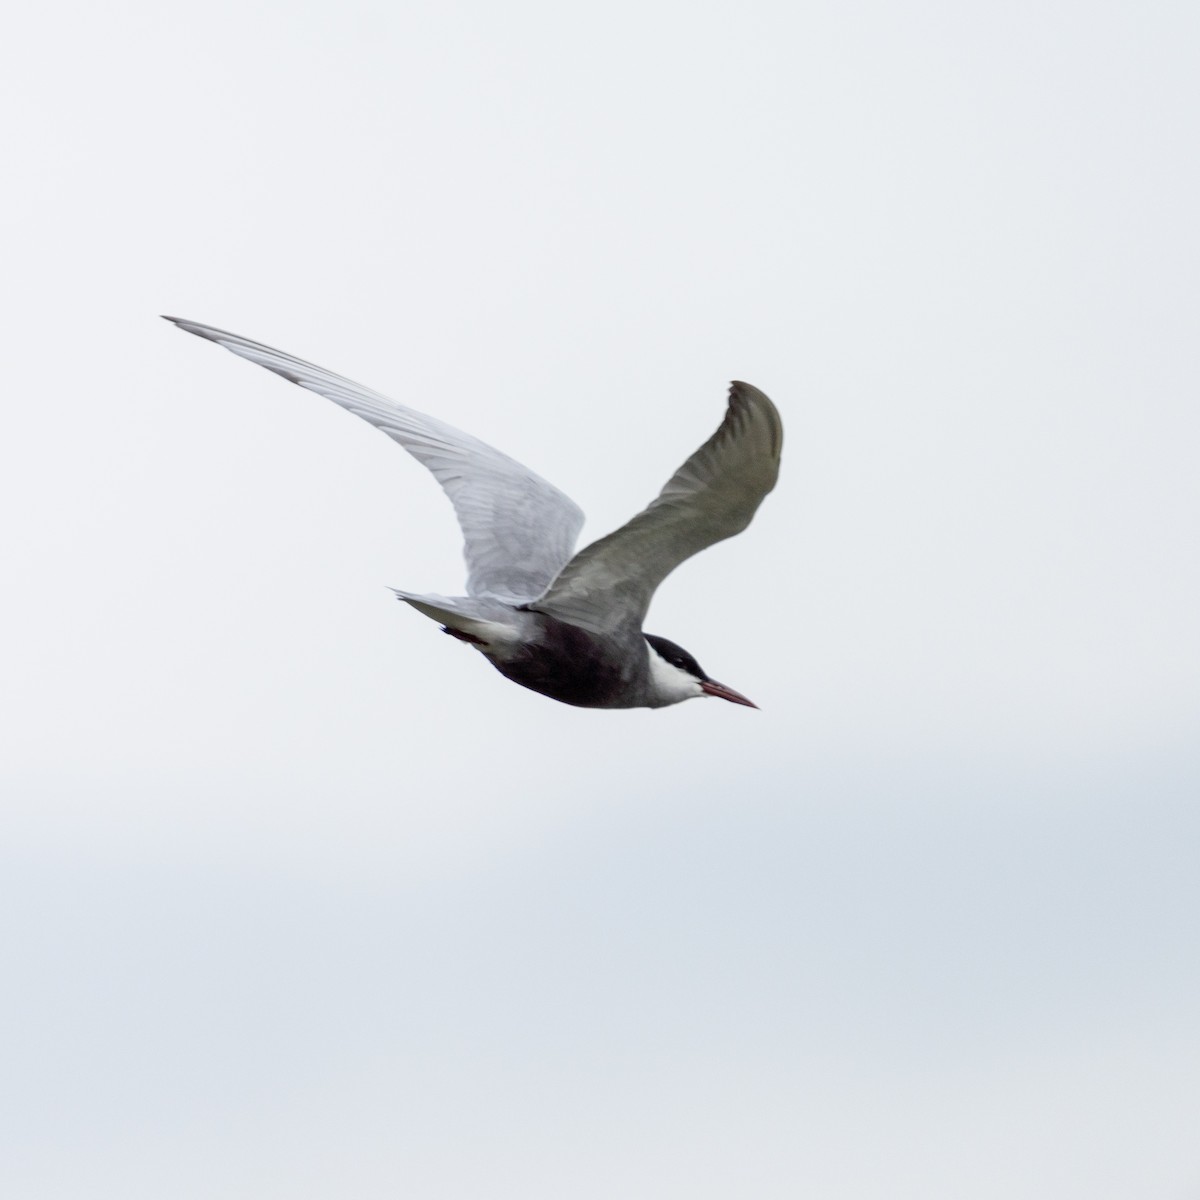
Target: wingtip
(746, 393)
(740, 388)
(745, 397)
(201, 330)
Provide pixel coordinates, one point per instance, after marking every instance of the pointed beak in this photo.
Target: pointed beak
(712, 688)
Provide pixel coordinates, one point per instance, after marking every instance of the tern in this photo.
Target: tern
(565, 624)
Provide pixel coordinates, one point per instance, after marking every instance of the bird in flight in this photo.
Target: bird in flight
(562, 623)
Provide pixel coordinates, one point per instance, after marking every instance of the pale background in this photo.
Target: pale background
(299, 899)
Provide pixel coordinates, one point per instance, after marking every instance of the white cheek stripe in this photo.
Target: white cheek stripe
(669, 682)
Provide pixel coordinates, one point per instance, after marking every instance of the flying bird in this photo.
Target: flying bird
(565, 624)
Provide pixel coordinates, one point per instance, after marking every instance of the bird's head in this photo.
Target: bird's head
(675, 675)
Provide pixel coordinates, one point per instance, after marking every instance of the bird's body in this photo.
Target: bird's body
(565, 624)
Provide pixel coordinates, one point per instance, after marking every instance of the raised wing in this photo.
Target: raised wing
(608, 586)
(518, 530)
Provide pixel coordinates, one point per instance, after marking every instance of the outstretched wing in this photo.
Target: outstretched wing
(518, 530)
(608, 586)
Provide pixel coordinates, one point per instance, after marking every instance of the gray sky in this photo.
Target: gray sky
(299, 898)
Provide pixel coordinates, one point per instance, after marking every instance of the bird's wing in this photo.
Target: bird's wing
(608, 585)
(518, 530)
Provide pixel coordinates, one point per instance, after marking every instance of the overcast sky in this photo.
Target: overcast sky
(299, 898)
